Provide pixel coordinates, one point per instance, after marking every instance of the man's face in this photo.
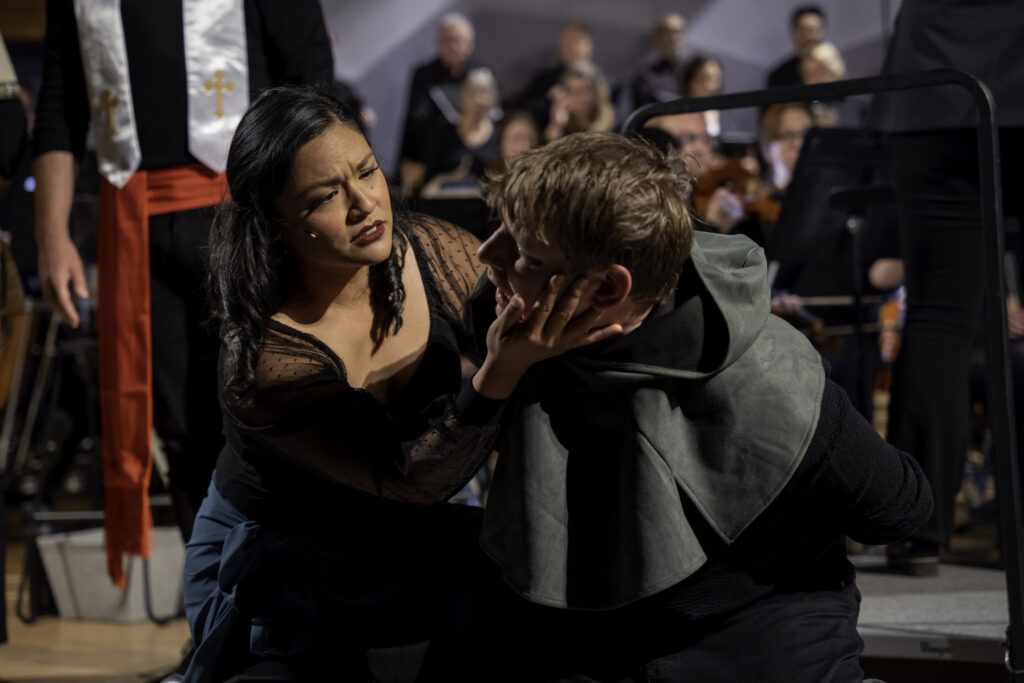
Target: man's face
(575, 45)
(454, 45)
(808, 31)
(518, 263)
(668, 36)
(691, 134)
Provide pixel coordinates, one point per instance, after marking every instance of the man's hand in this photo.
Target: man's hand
(61, 274)
(60, 266)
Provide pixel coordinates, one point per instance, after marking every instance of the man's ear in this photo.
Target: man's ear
(616, 285)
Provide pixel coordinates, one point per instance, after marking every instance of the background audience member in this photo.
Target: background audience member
(690, 132)
(459, 153)
(658, 78)
(806, 29)
(703, 77)
(517, 132)
(823, 64)
(581, 101)
(434, 95)
(717, 205)
(574, 45)
(783, 127)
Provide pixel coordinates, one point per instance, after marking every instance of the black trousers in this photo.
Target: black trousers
(936, 176)
(186, 412)
(796, 637)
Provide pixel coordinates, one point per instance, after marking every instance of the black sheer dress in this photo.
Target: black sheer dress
(326, 530)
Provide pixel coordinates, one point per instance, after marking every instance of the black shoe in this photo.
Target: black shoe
(913, 558)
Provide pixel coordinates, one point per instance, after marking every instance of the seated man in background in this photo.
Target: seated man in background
(806, 29)
(690, 132)
(670, 504)
(658, 79)
(716, 205)
(456, 155)
(434, 95)
(574, 45)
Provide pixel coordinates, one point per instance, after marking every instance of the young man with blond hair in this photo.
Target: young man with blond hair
(671, 504)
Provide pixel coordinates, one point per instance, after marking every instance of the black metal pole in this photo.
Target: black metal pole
(1000, 389)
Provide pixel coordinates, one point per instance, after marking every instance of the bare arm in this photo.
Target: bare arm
(60, 266)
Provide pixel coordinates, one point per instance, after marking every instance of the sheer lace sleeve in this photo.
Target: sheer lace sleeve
(453, 268)
(304, 410)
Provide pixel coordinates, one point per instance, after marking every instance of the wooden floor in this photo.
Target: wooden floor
(52, 649)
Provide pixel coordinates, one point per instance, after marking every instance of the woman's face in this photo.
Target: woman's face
(708, 81)
(793, 125)
(335, 209)
(581, 98)
(517, 137)
(477, 99)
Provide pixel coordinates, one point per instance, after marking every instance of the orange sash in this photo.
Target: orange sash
(125, 343)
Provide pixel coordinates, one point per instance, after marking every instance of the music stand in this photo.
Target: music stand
(809, 225)
(818, 242)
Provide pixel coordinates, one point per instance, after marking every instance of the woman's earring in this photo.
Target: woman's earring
(312, 235)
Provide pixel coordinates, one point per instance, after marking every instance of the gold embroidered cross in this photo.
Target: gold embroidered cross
(221, 86)
(107, 104)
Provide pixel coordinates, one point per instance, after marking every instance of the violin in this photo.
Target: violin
(754, 194)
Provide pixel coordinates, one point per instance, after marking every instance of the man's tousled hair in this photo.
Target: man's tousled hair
(602, 199)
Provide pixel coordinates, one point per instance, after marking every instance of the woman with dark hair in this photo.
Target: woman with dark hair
(702, 77)
(517, 132)
(325, 531)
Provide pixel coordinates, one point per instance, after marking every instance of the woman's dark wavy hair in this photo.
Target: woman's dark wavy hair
(250, 269)
(691, 70)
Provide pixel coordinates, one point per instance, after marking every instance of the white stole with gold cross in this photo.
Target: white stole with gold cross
(217, 71)
(217, 77)
(105, 59)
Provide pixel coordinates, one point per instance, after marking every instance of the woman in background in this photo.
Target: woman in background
(702, 77)
(455, 156)
(517, 132)
(581, 101)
